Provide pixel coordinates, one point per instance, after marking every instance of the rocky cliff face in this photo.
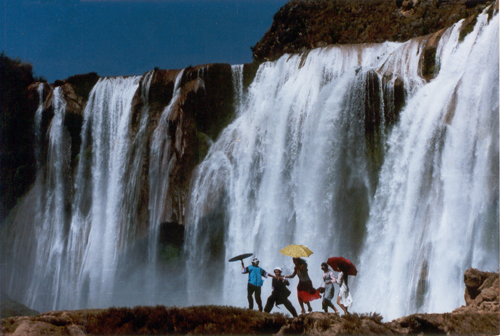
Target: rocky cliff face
(304, 24)
(481, 292)
(17, 160)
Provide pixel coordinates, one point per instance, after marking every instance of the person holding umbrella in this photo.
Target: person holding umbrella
(255, 282)
(344, 300)
(280, 293)
(305, 290)
(345, 268)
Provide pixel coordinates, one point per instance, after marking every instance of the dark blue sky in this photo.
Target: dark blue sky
(118, 37)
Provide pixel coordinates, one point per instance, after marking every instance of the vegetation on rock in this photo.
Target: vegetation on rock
(474, 318)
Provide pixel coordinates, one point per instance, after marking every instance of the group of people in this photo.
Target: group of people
(305, 290)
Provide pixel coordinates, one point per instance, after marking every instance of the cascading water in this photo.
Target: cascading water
(298, 166)
(38, 253)
(38, 126)
(52, 207)
(98, 225)
(237, 74)
(291, 169)
(159, 170)
(435, 212)
(159, 183)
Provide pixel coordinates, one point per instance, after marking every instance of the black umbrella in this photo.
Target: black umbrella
(241, 257)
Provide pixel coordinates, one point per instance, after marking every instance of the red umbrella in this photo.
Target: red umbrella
(341, 264)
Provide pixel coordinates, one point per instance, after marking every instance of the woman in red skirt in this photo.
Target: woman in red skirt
(305, 290)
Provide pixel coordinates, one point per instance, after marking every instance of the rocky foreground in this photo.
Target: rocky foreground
(480, 316)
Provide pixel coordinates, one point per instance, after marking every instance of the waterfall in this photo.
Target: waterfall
(160, 159)
(237, 74)
(435, 212)
(279, 173)
(38, 126)
(307, 161)
(98, 225)
(159, 169)
(38, 250)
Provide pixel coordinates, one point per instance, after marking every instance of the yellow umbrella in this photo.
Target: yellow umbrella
(296, 251)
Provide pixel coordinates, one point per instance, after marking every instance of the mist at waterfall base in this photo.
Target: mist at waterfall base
(413, 202)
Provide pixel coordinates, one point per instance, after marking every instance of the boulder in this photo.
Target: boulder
(481, 292)
(427, 63)
(9, 307)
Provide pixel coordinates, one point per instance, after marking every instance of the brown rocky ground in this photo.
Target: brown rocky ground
(480, 316)
(301, 25)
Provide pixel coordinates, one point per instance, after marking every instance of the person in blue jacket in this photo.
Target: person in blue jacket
(255, 281)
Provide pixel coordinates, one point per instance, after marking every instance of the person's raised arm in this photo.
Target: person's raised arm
(292, 275)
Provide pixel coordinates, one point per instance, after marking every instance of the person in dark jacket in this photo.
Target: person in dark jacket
(280, 293)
